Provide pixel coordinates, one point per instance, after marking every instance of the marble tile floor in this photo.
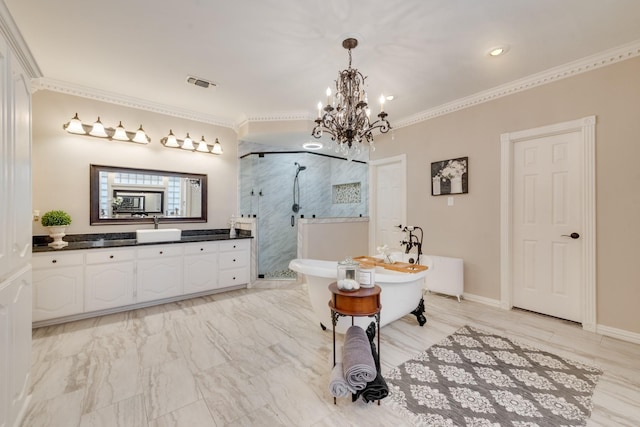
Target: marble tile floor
(256, 357)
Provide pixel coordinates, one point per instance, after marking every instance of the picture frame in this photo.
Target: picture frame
(450, 177)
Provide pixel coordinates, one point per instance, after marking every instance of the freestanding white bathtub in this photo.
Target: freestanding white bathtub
(401, 293)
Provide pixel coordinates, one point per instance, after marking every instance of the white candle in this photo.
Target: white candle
(382, 103)
(319, 109)
(328, 96)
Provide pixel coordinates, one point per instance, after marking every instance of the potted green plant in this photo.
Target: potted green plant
(57, 222)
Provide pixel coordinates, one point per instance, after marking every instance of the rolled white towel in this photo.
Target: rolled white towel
(338, 386)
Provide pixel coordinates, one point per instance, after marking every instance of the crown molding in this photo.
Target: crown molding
(276, 117)
(590, 63)
(13, 36)
(127, 101)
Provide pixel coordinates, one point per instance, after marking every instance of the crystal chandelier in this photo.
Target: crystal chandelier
(346, 115)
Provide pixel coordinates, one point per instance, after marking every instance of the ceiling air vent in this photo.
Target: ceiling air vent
(200, 82)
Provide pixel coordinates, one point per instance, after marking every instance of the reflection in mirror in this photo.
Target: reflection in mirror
(125, 195)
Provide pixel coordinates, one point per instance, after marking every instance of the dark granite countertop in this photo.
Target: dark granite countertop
(117, 240)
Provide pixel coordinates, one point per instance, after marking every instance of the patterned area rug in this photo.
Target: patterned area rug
(477, 378)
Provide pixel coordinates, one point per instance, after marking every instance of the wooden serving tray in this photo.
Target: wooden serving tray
(403, 267)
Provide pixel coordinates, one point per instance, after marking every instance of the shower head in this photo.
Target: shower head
(300, 167)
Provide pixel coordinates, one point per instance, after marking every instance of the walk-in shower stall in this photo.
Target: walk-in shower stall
(281, 188)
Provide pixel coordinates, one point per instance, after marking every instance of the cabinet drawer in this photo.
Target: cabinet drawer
(234, 259)
(201, 248)
(57, 260)
(234, 245)
(99, 257)
(233, 277)
(159, 251)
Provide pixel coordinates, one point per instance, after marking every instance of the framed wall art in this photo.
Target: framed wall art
(450, 177)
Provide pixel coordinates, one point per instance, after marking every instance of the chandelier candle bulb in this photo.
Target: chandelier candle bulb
(328, 96)
(319, 109)
(382, 103)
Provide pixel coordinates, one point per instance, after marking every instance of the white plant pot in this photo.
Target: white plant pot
(57, 233)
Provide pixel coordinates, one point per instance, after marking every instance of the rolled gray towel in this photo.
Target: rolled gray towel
(357, 360)
(338, 386)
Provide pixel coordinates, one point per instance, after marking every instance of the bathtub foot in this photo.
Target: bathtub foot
(418, 313)
(324, 328)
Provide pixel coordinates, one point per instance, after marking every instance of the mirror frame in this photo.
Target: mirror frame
(94, 196)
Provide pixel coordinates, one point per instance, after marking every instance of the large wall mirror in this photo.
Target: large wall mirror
(125, 195)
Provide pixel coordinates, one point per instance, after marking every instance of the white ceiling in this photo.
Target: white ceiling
(275, 58)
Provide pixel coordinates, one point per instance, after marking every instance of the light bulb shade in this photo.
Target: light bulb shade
(187, 144)
(202, 146)
(141, 136)
(75, 126)
(120, 133)
(217, 148)
(98, 129)
(171, 140)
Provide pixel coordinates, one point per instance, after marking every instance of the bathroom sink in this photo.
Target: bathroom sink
(158, 235)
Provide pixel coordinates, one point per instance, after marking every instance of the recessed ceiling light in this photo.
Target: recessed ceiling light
(312, 145)
(498, 51)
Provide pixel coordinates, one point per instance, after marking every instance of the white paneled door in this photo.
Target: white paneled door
(388, 202)
(547, 223)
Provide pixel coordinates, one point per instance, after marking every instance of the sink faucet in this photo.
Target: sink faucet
(156, 221)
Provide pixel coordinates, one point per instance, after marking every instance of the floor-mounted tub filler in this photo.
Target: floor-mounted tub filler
(401, 293)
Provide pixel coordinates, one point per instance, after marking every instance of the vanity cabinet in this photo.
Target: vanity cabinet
(74, 284)
(159, 272)
(234, 262)
(58, 285)
(200, 267)
(109, 279)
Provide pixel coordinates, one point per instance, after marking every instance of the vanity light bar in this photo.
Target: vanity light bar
(119, 133)
(188, 144)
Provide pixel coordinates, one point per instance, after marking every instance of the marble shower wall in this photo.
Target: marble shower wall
(266, 190)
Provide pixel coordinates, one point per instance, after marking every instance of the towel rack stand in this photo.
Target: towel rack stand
(360, 303)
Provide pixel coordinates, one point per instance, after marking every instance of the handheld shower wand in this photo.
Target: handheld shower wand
(296, 189)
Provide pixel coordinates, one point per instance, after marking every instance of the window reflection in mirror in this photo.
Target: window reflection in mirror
(123, 195)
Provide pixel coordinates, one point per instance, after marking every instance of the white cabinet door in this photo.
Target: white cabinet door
(108, 285)
(200, 267)
(109, 278)
(57, 292)
(20, 134)
(15, 346)
(15, 165)
(6, 352)
(159, 273)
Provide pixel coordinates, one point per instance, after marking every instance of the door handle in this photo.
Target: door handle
(572, 235)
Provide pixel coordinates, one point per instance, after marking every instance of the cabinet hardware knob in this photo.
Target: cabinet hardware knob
(234, 246)
(54, 261)
(202, 249)
(234, 260)
(161, 252)
(234, 278)
(110, 256)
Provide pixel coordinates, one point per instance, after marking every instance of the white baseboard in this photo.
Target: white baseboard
(620, 334)
(482, 300)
